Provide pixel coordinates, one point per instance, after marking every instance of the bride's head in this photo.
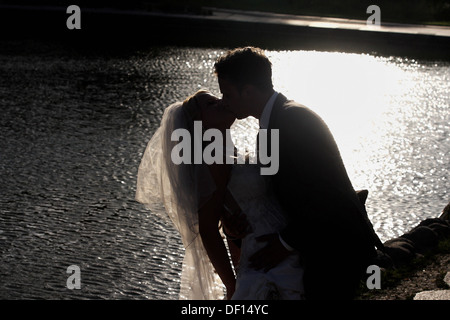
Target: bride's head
(206, 107)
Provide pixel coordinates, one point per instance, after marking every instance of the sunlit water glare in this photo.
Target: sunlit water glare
(74, 129)
(390, 118)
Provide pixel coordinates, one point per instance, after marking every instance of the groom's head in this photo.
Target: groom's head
(245, 80)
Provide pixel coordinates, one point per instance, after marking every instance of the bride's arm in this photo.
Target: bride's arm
(235, 252)
(209, 216)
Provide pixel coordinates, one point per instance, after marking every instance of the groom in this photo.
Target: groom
(327, 224)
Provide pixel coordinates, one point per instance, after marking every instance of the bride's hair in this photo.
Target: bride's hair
(192, 107)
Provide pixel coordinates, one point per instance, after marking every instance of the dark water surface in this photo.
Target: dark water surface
(73, 129)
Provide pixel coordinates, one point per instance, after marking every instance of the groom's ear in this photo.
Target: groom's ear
(248, 91)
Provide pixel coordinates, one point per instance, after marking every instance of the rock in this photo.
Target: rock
(446, 213)
(442, 230)
(400, 250)
(405, 242)
(447, 279)
(428, 221)
(422, 237)
(433, 295)
(401, 243)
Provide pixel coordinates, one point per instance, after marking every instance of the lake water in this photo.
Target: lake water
(74, 127)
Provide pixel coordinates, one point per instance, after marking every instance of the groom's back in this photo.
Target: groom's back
(309, 157)
(313, 187)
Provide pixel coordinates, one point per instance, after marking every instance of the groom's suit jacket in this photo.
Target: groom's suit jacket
(327, 223)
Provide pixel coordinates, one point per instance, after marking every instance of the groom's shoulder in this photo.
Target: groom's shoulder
(296, 115)
(292, 105)
(291, 108)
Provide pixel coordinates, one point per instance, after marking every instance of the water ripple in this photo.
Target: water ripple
(74, 129)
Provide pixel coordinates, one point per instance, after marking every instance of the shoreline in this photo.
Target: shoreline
(416, 267)
(428, 277)
(225, 28)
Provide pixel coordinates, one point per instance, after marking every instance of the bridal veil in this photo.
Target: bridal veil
(175, 193)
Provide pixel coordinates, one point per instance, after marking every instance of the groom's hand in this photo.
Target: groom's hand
(271, 255)
(235, 223)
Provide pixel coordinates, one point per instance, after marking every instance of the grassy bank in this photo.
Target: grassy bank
(404, 11)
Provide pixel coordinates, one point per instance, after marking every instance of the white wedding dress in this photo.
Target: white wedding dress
(252, 192)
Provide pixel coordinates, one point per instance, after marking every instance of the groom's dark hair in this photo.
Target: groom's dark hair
(248, 65)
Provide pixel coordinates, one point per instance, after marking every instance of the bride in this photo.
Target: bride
(198, 198)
